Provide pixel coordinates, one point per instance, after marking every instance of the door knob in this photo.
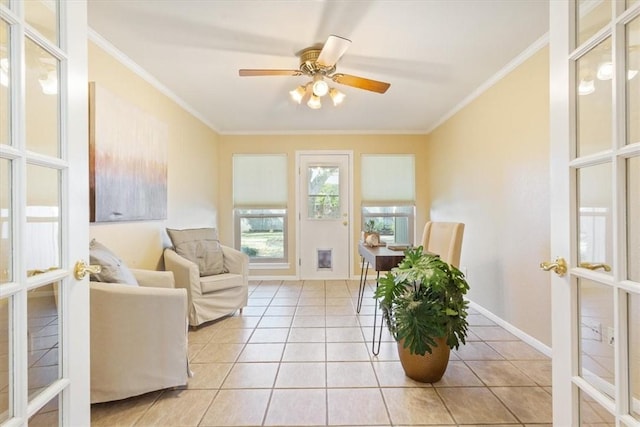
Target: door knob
(559, 266)
(345, 222)
(595, 266)
(82, 268)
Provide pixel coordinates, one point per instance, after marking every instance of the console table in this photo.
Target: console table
(382, 259)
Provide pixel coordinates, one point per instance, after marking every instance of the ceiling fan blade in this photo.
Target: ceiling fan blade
(333, 50)
(361, 83)
(259, 72)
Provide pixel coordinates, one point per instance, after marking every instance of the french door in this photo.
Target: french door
(595, 206)
(324, 215)
(44, 318)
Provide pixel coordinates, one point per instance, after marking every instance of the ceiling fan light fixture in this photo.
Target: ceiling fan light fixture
(320, 87)
(314, 102)
(336, 96)
(49, 83)
(298, 93)
(605, 71)
(586, 87)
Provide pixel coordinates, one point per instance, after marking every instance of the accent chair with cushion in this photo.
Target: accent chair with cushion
(138, 329)
(215, 276)
(444, 239)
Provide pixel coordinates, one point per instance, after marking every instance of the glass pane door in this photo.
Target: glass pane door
(38, 233)
(605, 213)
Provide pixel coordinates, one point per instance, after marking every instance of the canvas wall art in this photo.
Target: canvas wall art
(127, 160)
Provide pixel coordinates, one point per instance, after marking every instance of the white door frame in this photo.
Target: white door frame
(299, 154)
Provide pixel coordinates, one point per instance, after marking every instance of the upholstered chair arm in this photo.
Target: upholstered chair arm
(152, 278)
(235, 261)
(186, 273)
(129, 326)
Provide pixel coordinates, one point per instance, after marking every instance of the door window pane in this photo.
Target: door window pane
(43, 16)
(42, 312)
(43, 218)
(634, 353)
(5, 361)
(42, 101)
(324, 192)
(6, 241)
(48, 415)
(633, 81)
(633, 218)
(593, 414)
(596, 335)
(5, 72)
(593, 100)
(592, 17)
(595, 219)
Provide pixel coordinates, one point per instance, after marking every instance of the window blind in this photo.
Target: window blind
(388, 178)
(259, 180)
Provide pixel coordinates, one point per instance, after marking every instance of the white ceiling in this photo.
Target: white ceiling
(435, 53)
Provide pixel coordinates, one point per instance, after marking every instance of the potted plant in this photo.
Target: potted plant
(422, 302)
(371, 235)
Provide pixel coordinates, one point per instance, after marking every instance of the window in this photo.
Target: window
(262, 234)
(388, 196)
(393, 223)
(260, 206)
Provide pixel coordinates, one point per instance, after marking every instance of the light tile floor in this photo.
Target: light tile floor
(299, 355)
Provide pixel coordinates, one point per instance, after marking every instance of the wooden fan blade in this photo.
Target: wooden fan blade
(361, 83)
(258, 72)
(333, 50)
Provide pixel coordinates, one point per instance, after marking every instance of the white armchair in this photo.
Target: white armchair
(215, 296)
(138, 336)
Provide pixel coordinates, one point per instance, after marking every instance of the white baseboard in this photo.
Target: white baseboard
(254, 278)
(533, 342)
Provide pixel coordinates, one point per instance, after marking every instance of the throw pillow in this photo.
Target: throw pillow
(200, 245)
(114, 270)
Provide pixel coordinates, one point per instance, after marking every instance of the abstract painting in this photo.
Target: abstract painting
(127, 160)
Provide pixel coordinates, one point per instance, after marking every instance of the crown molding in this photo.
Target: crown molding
(146, 76)
(511, 66)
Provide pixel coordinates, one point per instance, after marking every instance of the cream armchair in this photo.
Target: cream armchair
(215, 296)
(138, 336)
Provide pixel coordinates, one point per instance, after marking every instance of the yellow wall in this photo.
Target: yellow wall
(289, 144)
(192, 153)
(489, 168)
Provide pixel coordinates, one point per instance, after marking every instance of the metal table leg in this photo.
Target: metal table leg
(363, 282)
(375, 316)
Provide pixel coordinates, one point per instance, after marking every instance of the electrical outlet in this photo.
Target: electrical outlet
(610, 336)
(591, 330)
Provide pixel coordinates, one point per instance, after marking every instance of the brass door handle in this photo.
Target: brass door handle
(82, 268)
(595, 266)
(345, 222)
(559, 266)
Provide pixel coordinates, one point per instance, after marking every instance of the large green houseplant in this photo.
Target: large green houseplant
(422, 302)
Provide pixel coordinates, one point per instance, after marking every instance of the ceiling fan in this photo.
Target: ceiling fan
(319, 63)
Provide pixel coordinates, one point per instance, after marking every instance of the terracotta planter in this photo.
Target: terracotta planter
(428, 368)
